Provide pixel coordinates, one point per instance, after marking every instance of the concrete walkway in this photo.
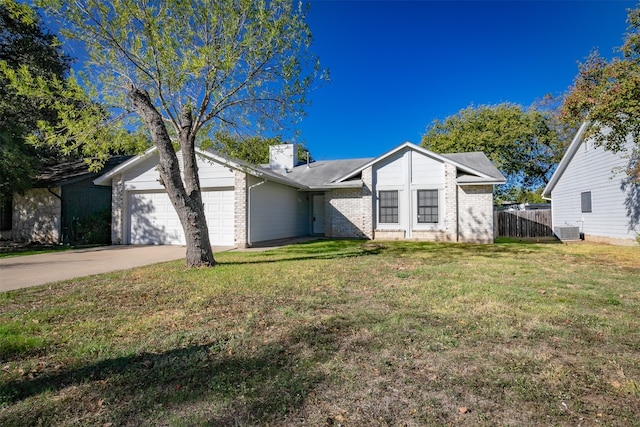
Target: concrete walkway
(33, 270)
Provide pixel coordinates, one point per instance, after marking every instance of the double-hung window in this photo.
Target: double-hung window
(427, 206)
(388, 207)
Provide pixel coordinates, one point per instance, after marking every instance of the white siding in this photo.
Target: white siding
(144, 175)
(391, 174)
(598, 171)
(214, 174)
(426, 174)
(426, 170)
(407, 172)
(392, 171)
(276, 211)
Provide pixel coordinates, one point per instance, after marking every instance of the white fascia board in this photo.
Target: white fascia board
(221, 159)
(274, 178)
(566, 159)
(494, 182)
(349, 184)
(249, 169)
(419, 149)
(105, 179)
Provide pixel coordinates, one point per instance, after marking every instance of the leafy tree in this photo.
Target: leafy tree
(521, 195)
(607, 95)
(522, 143)
(188, 69)
(24, 45)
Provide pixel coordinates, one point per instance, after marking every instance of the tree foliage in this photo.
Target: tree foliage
(188, 69)
(253, 150)
(607, 95)
(27, 48)
(524, 144)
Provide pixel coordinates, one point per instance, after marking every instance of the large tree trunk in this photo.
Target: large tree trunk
(185, 196)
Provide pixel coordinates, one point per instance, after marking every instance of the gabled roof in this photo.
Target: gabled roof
(477, 168)
(324, 173)
(478, 161)
(258, 171)
(105, 179)
(473, 168)
(65, 173)
(566, 159)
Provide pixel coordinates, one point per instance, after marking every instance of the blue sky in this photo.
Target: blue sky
(398, 65)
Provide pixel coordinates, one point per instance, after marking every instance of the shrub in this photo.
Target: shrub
(94, 229)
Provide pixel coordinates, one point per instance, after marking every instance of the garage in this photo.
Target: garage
(154, 221)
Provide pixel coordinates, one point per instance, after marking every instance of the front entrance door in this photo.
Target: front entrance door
(318, 214)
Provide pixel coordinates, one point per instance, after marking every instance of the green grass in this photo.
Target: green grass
(334, 333)
(7, 251)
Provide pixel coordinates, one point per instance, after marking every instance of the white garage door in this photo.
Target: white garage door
(153, 219)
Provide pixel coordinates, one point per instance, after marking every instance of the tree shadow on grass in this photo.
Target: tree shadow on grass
(340, 249)
(334, 249)
(449, 250)
(205, 384)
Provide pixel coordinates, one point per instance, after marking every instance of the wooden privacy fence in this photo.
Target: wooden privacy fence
(534, 223)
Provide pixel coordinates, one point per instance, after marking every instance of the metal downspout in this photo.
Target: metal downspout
(457, 213)
(52, 192)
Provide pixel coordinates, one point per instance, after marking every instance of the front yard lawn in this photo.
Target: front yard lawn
(9, 249)
(332, 333)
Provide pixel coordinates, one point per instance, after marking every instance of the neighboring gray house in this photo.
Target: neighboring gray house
(592, 194)
(406, 193)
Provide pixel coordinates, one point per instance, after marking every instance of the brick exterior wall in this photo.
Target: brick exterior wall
(475, 213)
(390, 234)
(344, 213)
(349, 211)
(367, 202)
(450, 232)
(432, 236)
(240, 201)
(36, 216)
(117, 210)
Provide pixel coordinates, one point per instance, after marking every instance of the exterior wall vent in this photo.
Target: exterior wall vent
(567, 233)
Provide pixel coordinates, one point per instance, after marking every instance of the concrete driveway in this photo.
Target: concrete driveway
(32, 270)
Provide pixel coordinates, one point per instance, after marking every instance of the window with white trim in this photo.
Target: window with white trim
(388, 207)
(585, 201)
(427, 205)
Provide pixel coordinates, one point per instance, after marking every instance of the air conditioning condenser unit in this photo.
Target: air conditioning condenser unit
(567, 233)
